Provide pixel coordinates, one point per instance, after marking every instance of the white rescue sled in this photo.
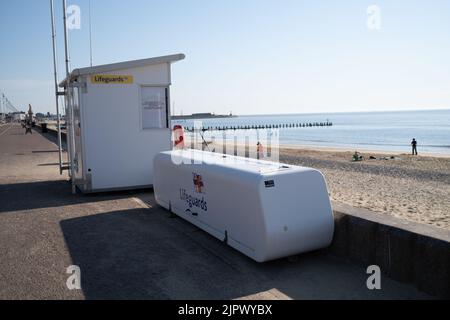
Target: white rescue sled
(266, 210)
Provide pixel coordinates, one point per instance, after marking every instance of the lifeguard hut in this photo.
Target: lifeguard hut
(118, 120)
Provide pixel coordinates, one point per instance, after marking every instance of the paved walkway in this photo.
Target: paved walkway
(129, 248)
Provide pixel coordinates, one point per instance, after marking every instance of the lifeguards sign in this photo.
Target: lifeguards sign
(111, 79)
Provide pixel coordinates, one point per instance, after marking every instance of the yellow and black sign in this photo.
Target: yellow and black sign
(111, 79)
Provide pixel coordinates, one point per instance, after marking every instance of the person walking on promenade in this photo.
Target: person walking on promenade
(414, 146)
(28, 128)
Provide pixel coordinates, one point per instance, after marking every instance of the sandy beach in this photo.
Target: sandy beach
(407, 187)
(416, 188)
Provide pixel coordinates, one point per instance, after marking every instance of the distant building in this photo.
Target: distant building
(18, 116)
(203, 115)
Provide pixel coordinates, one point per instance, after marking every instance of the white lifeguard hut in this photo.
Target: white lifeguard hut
(118, 120)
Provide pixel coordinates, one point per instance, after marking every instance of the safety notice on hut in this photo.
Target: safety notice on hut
(112, 79)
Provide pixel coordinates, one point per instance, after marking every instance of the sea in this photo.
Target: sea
(377, 131)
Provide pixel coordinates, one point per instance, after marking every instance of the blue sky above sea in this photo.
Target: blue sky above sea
(248, 57)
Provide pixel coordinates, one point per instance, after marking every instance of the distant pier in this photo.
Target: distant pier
(261, 127)
(199, 116)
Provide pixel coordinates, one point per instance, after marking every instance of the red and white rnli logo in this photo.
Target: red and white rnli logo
(198, 183)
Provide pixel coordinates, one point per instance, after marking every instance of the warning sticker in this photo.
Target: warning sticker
(269, 184)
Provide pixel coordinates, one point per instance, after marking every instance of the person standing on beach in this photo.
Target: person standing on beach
(259, 151)
(414, 146)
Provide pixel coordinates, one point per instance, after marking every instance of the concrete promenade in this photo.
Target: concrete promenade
(129, 248)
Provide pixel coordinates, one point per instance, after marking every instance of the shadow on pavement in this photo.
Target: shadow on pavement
(48, 164)
(47, 194)
(151, 254)
(46, 151)
(53, 137)
(145, 254)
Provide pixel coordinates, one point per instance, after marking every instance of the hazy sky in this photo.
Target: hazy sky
(246, 56)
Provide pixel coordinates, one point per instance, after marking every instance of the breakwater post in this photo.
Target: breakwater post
(266, 126)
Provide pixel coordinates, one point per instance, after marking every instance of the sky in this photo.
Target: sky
(245, 56)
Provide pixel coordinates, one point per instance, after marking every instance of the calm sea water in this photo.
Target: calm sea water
(388, 131)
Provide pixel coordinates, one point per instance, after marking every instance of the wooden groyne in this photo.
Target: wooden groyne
(261, 127)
